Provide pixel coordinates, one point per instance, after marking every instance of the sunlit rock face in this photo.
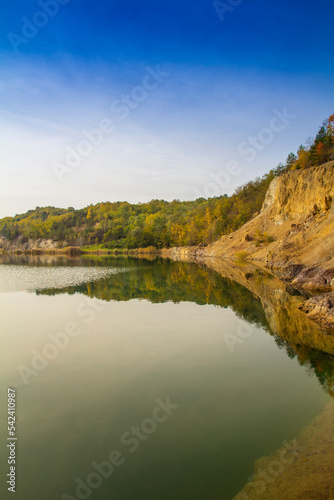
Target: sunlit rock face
(22, 244)
(300, 193)
(297, 216)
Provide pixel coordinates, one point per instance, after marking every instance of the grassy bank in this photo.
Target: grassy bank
(85, 250)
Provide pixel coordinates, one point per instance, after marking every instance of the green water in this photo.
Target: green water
(142, 335)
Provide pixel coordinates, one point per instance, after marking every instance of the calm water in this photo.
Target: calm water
(97, 348)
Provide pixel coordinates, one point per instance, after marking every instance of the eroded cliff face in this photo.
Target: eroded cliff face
(294, 228)
(293, 236)
(297, 221)
(300, 193)
(21, 244)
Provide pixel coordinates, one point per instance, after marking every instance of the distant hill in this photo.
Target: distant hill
(159, 223)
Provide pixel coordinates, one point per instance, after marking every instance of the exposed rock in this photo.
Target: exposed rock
(320, 309)
(314, 279)
(300, 192)
(22, 244)
(302, 234)
(293, 234)
(298, 215)
(270, 195)
(291, 271)
(328, 202)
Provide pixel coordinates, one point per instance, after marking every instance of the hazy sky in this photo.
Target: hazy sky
(114, 100)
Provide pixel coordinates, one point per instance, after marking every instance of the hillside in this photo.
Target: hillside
(292, 236)
(296, 223)
(161, 224)
(123, 225)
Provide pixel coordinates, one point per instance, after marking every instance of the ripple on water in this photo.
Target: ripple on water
(16, 278)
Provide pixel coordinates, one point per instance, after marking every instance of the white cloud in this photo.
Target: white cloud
(190, 126)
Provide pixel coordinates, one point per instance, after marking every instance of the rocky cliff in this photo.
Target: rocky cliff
(293, 232)
(293, 235)
(296, 223)
(21, 244)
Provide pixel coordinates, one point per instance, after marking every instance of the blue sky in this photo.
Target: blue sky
(180, 88)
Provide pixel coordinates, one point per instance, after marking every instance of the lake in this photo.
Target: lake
(146, 380)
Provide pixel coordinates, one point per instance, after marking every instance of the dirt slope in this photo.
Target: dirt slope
(298, 214)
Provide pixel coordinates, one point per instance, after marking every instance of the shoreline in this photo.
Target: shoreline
(315, 283)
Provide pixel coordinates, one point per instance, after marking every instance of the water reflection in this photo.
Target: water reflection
(164, 281)
(253, 294)
(315, 361)
(233, 408)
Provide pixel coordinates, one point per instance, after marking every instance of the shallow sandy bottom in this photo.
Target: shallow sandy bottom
(302, 469)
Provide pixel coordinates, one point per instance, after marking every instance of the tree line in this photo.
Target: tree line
(159, 223)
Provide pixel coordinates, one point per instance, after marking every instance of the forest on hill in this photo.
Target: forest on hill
(159, 223)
